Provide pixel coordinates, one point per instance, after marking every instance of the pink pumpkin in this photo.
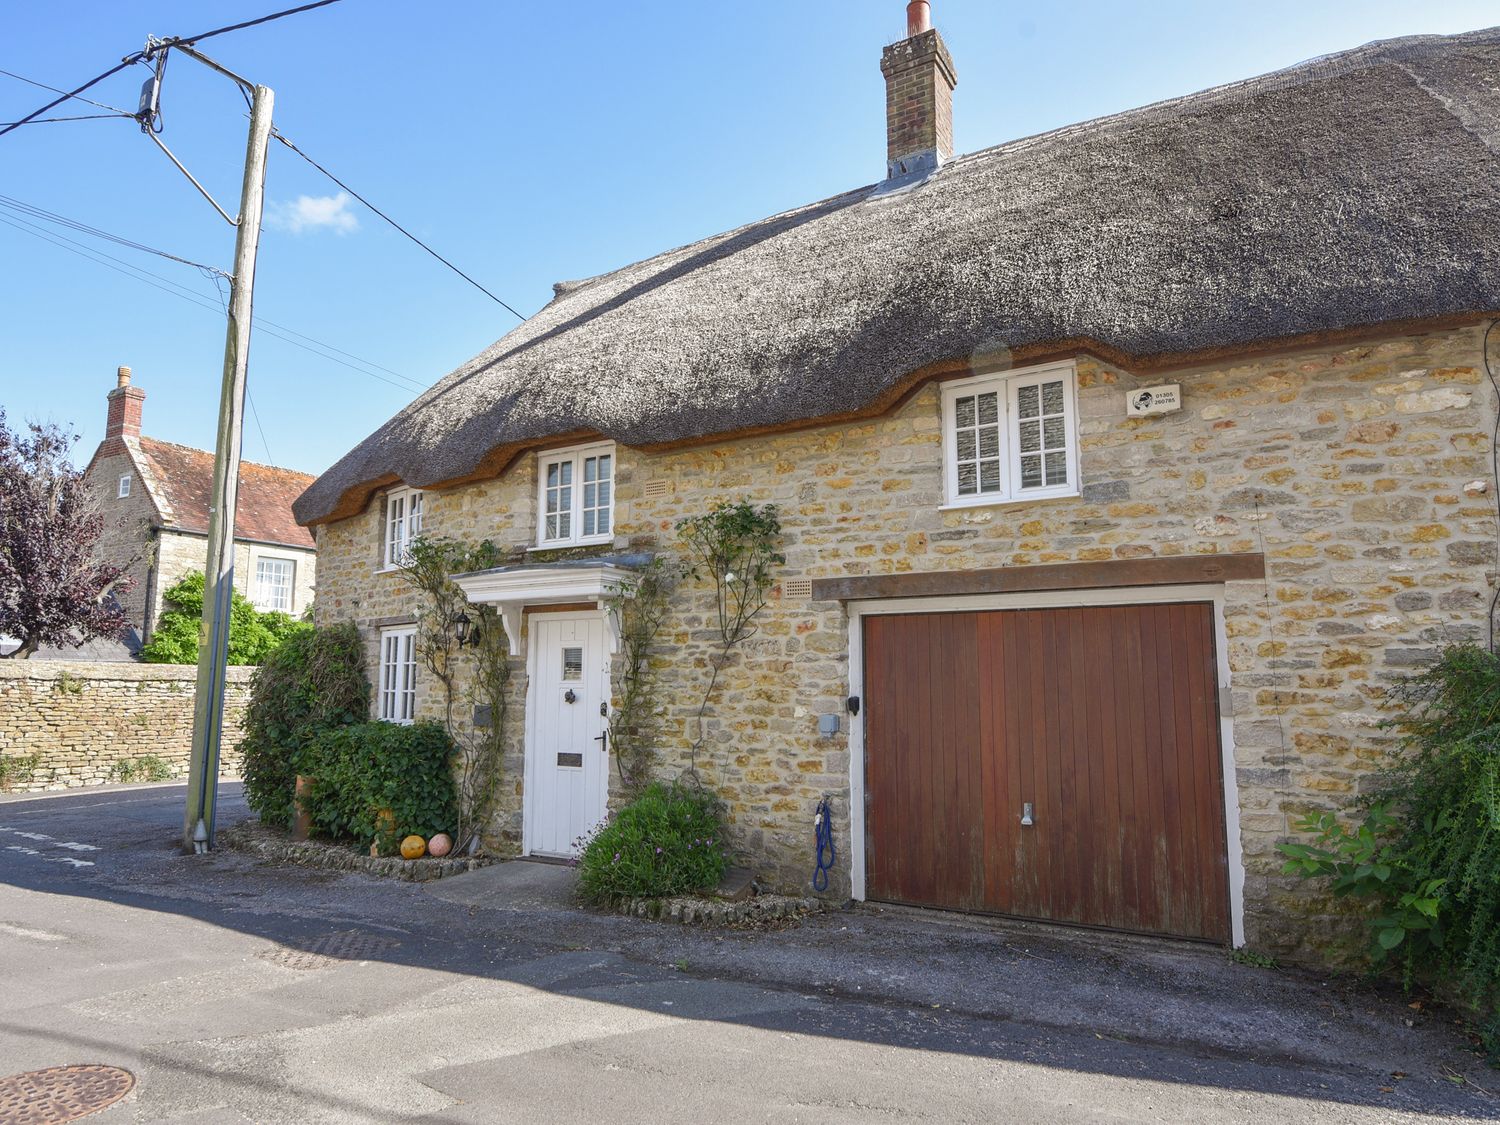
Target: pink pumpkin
(439, 845)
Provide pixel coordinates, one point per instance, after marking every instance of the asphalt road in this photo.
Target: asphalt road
(238, 991)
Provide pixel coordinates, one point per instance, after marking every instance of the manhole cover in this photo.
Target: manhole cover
(61, 1093)
(326, 951)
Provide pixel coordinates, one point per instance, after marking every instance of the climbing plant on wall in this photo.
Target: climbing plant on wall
(640, 608)
(733, 547)
(479, 762)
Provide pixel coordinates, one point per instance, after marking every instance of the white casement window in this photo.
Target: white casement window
(576, 498)
(398, 675)
(1010, 437)
(403, 523)
(274, 580)
(124, 486)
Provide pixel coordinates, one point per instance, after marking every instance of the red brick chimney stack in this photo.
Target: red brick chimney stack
(919, 81)
(124, 408)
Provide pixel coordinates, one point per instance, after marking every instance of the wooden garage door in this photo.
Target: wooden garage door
(1103, 718)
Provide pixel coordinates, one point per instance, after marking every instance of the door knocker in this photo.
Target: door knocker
(569, 697)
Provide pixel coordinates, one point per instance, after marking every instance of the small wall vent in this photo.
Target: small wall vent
(656, 489)
(796, 589)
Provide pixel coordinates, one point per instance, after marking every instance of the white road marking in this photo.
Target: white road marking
(28, 934)
(74, 846)
(50, 858)
(33, 835)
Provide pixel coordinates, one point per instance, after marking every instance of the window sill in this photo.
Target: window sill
(568, 544)
(1006, 501)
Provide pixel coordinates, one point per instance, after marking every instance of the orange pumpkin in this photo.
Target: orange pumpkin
(413, 847)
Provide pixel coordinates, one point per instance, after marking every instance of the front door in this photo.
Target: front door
(567, 755)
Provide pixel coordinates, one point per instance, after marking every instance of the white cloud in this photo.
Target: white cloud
(314, 213)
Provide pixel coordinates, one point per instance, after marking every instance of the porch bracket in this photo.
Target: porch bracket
(511, 589)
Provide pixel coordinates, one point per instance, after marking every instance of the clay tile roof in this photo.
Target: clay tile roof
(263, 512)
(1355, 190)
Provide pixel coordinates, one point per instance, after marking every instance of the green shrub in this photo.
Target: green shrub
(253, 635)
(313, 681)
(18, 769)
(1425, 852)
(359, 770)
(668, 841)
(147, 767)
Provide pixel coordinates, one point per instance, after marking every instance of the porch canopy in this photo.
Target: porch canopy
(511, 589)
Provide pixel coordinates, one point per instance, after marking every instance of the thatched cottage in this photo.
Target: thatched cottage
(1119, 468)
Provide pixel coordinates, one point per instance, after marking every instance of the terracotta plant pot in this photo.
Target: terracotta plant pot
(301, 818)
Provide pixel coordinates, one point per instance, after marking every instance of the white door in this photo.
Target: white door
(567, 757)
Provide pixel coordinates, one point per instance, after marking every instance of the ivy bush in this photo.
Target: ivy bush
(359, 771)
(668, 841)
(314, 680)
(253, 635)
(1425, 849)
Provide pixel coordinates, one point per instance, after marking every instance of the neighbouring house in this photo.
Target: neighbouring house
(155, 499)
(1120, 469)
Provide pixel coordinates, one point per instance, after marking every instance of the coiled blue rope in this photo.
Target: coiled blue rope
(827, 855)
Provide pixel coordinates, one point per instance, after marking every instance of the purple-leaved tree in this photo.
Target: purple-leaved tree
(52, 590)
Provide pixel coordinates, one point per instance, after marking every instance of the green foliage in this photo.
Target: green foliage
(313, 681)
(252, 635)
(1256, 960)
(18, 769)
(640, 607)
(147, 767)
(1425, 853)
(360, 770)
(668, 841)
(430, 565)
(733, 545)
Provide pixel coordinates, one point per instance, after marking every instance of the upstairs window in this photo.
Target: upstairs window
(124, 486)
(1010, 437)
(398, 675)
(576, 497)
(403, 523)
(273, 584)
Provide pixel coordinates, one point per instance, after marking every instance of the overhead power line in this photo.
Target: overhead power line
(136, 56)
(31, 209)
(57, 90)
(275, 133)
(156, 281)
(130, 60)
(53, 120)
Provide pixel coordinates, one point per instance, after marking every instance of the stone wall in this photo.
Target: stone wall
(126, 538)
(1362, 473)
(69, 723)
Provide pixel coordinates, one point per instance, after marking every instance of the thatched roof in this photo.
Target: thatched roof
(1354, 190)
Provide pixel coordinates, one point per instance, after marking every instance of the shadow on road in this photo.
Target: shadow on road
(1093, 1004)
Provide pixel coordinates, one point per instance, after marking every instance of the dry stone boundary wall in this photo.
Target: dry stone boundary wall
(67, 724)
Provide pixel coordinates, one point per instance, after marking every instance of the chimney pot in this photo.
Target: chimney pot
(918, 17)
(124, 417)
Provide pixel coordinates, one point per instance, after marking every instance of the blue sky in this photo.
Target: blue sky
(528, 142)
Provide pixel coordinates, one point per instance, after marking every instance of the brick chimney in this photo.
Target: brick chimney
(124, 408)
(919, 81)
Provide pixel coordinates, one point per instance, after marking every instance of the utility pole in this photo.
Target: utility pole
(213, 638)
(218, 571)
